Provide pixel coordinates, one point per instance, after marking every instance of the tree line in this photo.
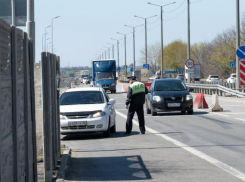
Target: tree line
(214, 56)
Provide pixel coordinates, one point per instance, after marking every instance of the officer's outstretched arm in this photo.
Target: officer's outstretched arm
(129, 96)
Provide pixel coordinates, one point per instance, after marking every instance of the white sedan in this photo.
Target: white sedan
(232, 78)
(87, 109)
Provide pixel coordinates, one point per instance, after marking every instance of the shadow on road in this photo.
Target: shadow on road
(119, 168)
(179, 114)
(94, 136)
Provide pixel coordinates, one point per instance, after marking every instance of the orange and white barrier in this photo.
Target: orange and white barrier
(200, 102)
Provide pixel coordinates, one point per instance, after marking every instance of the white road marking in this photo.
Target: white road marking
(207, 158)
(240, 119)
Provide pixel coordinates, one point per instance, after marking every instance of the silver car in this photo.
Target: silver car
(213, 78)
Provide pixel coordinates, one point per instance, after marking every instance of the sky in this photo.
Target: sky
(86, 26)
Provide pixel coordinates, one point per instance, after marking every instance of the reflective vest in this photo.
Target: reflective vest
(137, 87)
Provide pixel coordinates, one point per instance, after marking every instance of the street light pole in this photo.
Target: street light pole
(162, 62)
(45, 36)
(52, 32)
(188, 36)
(108, 51)
(145, 33)
(43, 42)
(237, 43)
(125, 49)
(117, 51)
(112, 50)
(133, 45)
(30, 25)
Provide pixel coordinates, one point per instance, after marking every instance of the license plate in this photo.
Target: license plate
(173, 104)
(77, 123)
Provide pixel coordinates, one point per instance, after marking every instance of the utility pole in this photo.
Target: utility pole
(117, 51)
(30, 25)
(53, 32)
(112, 50)
(133, 45)
(162, 63)
(188, 36)
(237, 44)
(13, 11)
(125, 50)
(145, 34)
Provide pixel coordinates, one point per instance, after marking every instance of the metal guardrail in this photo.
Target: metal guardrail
(216, 87)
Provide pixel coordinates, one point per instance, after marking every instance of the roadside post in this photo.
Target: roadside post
(189, 64)
(240, 73)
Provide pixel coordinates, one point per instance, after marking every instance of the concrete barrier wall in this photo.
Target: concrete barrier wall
(17, 136)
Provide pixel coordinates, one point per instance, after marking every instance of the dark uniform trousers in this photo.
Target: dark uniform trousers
(138, 108)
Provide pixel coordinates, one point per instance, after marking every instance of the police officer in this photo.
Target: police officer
(134, 103)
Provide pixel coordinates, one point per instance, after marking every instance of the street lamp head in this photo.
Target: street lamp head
(148, 3)
(56, 17)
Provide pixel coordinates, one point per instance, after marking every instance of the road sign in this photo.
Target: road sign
(242, 73)
(147, 66)
(232, 64)
(20, 11)
(189, 63)
(118, 68)
(240, 52)
(131, 70)
(189, 70)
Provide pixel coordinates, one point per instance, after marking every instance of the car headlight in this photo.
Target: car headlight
(98, 114)
(98, 84)
(189, 97)
(62, 117)
(157, 98)
(113, 84)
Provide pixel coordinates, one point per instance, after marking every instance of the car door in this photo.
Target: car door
(111, 109)
(149, 95)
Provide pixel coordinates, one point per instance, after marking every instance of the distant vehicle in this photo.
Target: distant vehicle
(84, 73)
(84, 80)
(213, 78)
(232, 78)
(87, 109)
(181, 77)
(104, 74)
(168, 95)
(88, 80)
(196, 74)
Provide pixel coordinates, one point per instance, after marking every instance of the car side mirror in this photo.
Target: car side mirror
(191, 90)
(112, 101)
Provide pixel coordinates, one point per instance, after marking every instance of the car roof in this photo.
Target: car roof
(168, 79)
(83, 89)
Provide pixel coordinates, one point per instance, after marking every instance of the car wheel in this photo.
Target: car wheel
(113, 128)
(183, 112)
(107, 133)
(153, 113)
(190, 112)
(148, 111)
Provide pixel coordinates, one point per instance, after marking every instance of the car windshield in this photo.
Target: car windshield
(234, 76)
(169, 86)
(82, 97)
(214, 76)
(89, 77)
(104, 76)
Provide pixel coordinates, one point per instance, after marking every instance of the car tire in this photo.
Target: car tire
(148, 111)
(107, 133)
(153, 113)
(183, 112)
(190, 112)
(113, 128)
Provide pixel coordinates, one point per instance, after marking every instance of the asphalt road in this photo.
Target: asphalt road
(201, 147)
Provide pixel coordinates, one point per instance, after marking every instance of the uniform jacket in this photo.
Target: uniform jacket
(136, 93)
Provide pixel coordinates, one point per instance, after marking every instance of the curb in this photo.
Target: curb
(63, 165)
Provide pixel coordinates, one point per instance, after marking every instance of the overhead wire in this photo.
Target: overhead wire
(154, 21)
(175, 8)
(175, 16)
